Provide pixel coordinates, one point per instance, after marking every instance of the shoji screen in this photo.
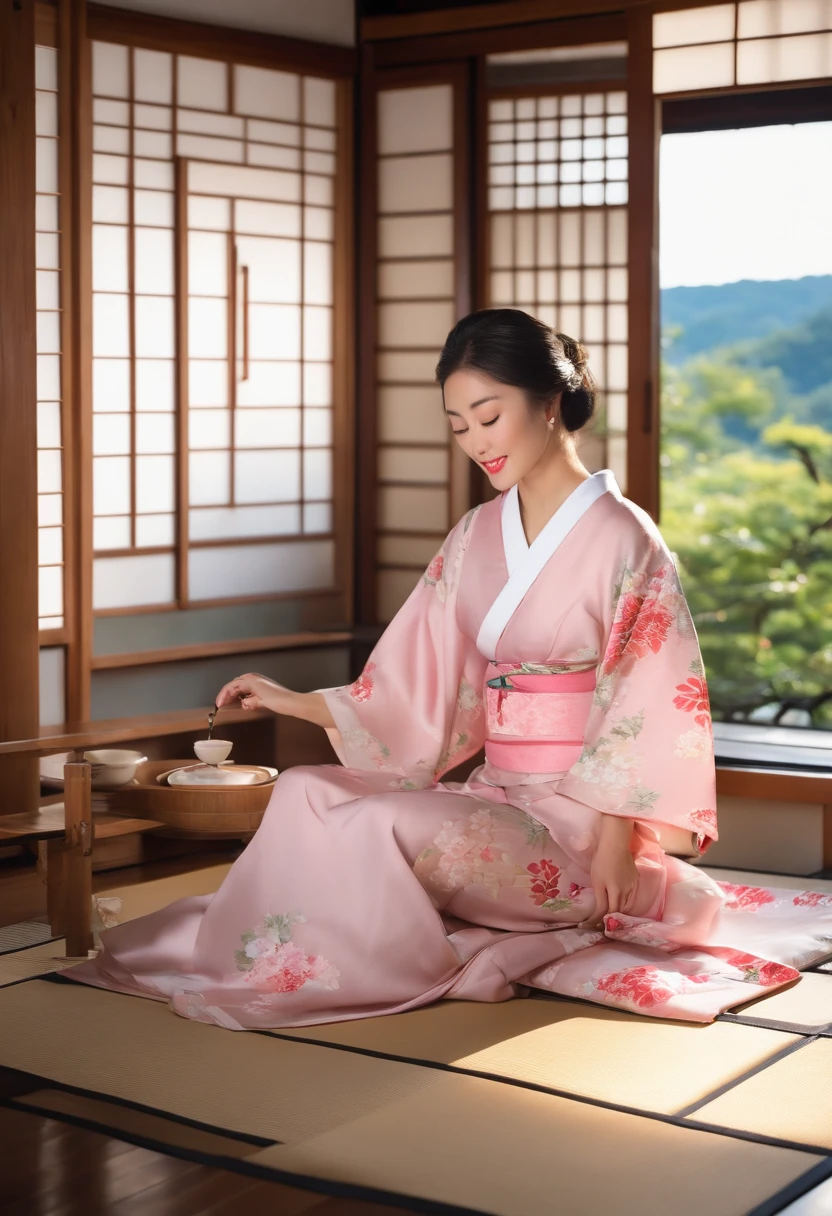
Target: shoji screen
(416, 307)
(557, 240)
(753, 42)
(50, 423)
(213, 397)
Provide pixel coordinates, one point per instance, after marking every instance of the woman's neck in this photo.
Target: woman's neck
(548, 485)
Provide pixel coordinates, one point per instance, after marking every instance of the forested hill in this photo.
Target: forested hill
(737, 313)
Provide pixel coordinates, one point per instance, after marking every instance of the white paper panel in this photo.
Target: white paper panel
(46, 114)
(210, 213)
(46, 68)
(208, 382)
(155, 386)
(411, 415)
(317, 473)
(111, 385)
(207, 264)
(407, 367)
(319, 101)
(273, 269)
(416, 183)
(317, 384)
(155, 435)
(50, 509)
(318, 191)
(266, 476)
(207, 329)
(209, 429)
(317, 517)
(263, 428)
(52, 684)
(202, 83)
(109, 205)
(153, 175)
(415, 236)
(285, 133)
(49, 424)
(111, 435)
(114, 140)
(46, 213)
(154, 261)
(413, 509)
(204, 147)
(242, 181)
(270, 384)
(47, 251)
(48, 333)
(132, 582)
(154, 530)
(46, 166)
(317, 273)
(152, 76)
(197, 122)
(154, 327)
(413, 464)
(50, 593)
(686, 27)
(111, 485)
(110, 70)
(49, 378)
(759, 18)
(410, 280)
(154, 208)
(109, 258)
(227, 523)
(407, 550)
(317, 333)
(263, 93)
(111, 113)
(268, 219)
(50, 546)
(415, 120)
(770, 60)
(694, 67)
(209, 478)
(274, 331)
(261, 569)
(110, 325)
(318, 224)
(111, 532)
(415, 324)
(155, 484)
(317, 428)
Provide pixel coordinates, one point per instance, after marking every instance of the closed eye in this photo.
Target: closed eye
(465, 430)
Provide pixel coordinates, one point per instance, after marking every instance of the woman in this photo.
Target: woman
(550, 627)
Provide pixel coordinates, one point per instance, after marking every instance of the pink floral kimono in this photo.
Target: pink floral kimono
(375, 887)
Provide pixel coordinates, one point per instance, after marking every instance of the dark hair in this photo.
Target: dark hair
(510, 346)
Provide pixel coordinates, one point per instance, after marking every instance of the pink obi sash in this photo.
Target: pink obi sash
(536, 723)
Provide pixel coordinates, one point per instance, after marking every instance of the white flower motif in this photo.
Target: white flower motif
(693, 744)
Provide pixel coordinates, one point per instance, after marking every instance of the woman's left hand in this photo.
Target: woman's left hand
(613, 872)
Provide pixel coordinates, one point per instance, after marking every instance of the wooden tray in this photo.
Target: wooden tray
(210, 810)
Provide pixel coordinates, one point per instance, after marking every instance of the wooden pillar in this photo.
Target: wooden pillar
(644, 125)
(19, 658)
(77, 868)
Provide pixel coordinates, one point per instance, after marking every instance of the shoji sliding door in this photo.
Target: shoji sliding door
(215, 395)
(417, 267)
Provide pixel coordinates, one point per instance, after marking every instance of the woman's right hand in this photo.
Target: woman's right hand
(257, 692)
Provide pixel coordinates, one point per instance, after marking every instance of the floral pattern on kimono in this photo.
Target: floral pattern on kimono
(441, 722)
(643, 759)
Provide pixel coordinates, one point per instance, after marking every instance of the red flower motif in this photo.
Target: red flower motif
(704, 821)
(434, 570)
(575, 890)
(546, 877)
(640, 985)
(614, 925)
(745, 899)
(694, 697)
(362, 689)
(759, 970)
(641, 626)
(812, 899)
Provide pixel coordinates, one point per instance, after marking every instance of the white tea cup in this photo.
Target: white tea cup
(213, 751)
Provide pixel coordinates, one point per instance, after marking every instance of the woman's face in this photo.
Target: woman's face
(496, 427)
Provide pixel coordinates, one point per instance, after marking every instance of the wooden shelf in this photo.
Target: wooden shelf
(779, 785)
(74, 736)
(48, 824)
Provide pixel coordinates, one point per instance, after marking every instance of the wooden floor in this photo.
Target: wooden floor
(49, 1168)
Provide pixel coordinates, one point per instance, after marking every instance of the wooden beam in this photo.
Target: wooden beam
(487, 16)
(19, 658)
(777, 785)
(77, 869)
(204, 650)
(107, 24)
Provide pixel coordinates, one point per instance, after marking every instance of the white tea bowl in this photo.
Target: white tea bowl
(213, 751)
(113, 766)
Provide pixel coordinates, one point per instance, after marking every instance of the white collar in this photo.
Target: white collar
(526, 561)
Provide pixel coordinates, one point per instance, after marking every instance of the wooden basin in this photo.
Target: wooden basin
(209, 811)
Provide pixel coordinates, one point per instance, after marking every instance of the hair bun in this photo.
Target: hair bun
(578, 356)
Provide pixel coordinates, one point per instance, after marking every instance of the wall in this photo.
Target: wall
(318, 20)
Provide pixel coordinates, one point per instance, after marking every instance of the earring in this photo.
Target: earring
(551, 422)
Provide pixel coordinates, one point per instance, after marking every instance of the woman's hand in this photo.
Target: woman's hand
(613, 871)
(257, 692)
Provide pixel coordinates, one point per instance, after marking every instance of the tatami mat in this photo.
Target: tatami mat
(807, 1003)
(598, 1053)
(24, 934)
(37, 960)
(505, 1151)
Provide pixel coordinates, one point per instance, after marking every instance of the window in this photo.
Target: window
(213, 287)
(557, 217)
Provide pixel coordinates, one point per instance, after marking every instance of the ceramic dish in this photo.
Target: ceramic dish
(201, 775)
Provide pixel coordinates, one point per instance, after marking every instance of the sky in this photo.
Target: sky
(748, 204)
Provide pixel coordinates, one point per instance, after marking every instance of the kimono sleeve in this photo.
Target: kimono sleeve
(648, 748)
(416, 709)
